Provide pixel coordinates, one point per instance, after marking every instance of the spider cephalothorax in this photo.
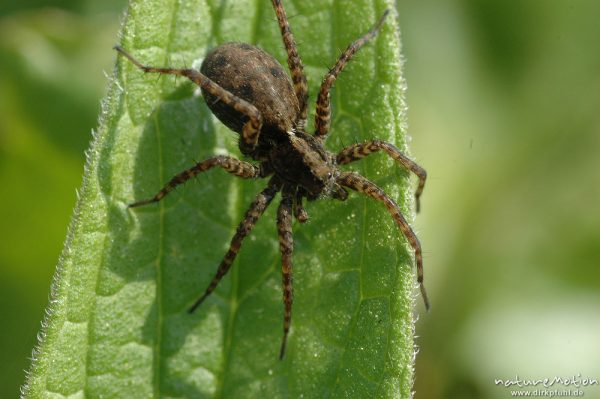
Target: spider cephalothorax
(248, 90)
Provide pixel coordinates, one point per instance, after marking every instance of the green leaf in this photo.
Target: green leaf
(117, 323)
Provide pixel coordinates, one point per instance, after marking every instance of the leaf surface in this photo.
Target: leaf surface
(117, 324)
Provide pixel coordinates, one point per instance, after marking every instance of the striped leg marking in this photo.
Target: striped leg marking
(361, 150)
(286, 246)
(251, 129)
(231, 165)
(323, 114)
(294, 61)
(253, 213)
(362, 185)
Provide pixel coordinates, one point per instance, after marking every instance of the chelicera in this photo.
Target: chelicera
(249, 91)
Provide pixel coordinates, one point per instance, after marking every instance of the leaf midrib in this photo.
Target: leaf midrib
(159, 270)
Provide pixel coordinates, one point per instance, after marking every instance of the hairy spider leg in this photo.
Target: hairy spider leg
(323, 113)
(286, 247)
(362, 185)
(257, 208)
(358, 151)
(294, 61)
(230, 164)
(251, 129)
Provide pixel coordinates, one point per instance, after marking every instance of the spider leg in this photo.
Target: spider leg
(359, 183)
(294, 61)
(251, 128)
(230, 164)
(358, 151)
(252, 215)
(286, 246)
(323, 114)
(299, 211)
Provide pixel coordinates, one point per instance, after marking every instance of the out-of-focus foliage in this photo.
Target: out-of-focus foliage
(503, 108)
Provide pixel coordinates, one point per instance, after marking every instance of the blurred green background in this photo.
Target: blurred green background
(504, 101)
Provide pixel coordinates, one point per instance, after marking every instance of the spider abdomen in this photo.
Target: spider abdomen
(257, 77)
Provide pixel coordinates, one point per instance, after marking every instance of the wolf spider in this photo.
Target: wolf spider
(248, 90)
